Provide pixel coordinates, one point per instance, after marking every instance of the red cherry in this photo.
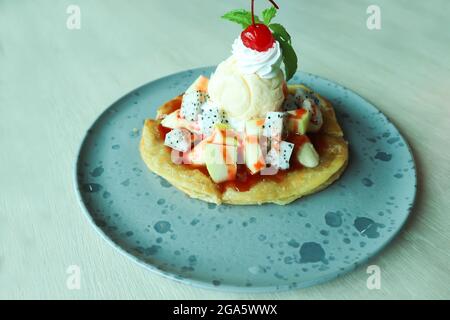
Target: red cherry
(258, 37)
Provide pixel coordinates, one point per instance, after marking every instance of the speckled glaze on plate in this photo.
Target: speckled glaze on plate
(245, 248)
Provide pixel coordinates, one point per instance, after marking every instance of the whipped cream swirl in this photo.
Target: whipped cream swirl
(265, 64)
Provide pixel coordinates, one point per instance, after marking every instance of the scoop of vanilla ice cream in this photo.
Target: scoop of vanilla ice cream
(245, 96)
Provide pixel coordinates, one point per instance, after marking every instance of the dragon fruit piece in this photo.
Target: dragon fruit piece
(191, 105)
(286, 149)
(280, 154)
(290, 103)
(273, 125)
(314, 98)
(210, 116)
(303, 94)
(272, 157)
(295, 100)
(178, 139)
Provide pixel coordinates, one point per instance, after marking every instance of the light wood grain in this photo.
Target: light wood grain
(55, 82)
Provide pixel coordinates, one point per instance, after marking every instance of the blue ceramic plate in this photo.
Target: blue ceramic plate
(249, 248)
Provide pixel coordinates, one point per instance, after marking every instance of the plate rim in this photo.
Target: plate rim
(225, 287)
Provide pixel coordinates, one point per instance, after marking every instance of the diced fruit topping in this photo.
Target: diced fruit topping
(254, 158)
(273, 125)
(254, 127)
(223, 134)
(295, 101)
(307, 155)
(197, 155)
(236, 124)
(316, 121)
(193, 99)
(291, 102)
(200, 84)
(298, 121)
(209, 117)
(307, 99)
(253, 155)
(221, 162)
(191, 106)
(221, 147)
(175, 120)
(314, 98)
(280, 154)
(178, 139)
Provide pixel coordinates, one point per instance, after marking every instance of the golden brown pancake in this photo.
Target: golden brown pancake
(291, 185)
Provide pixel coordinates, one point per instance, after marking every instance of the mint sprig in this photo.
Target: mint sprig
(278, 29)
(268, 15)
(290, 59)
(244, 18)
(241, 16)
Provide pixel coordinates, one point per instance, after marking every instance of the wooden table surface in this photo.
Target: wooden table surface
(54, 82)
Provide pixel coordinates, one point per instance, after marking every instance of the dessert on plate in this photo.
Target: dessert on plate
(244, 136)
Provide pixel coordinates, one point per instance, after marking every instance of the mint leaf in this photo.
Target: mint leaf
(269, 14)
(280, 31)
(289, 57)
(241, 16)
